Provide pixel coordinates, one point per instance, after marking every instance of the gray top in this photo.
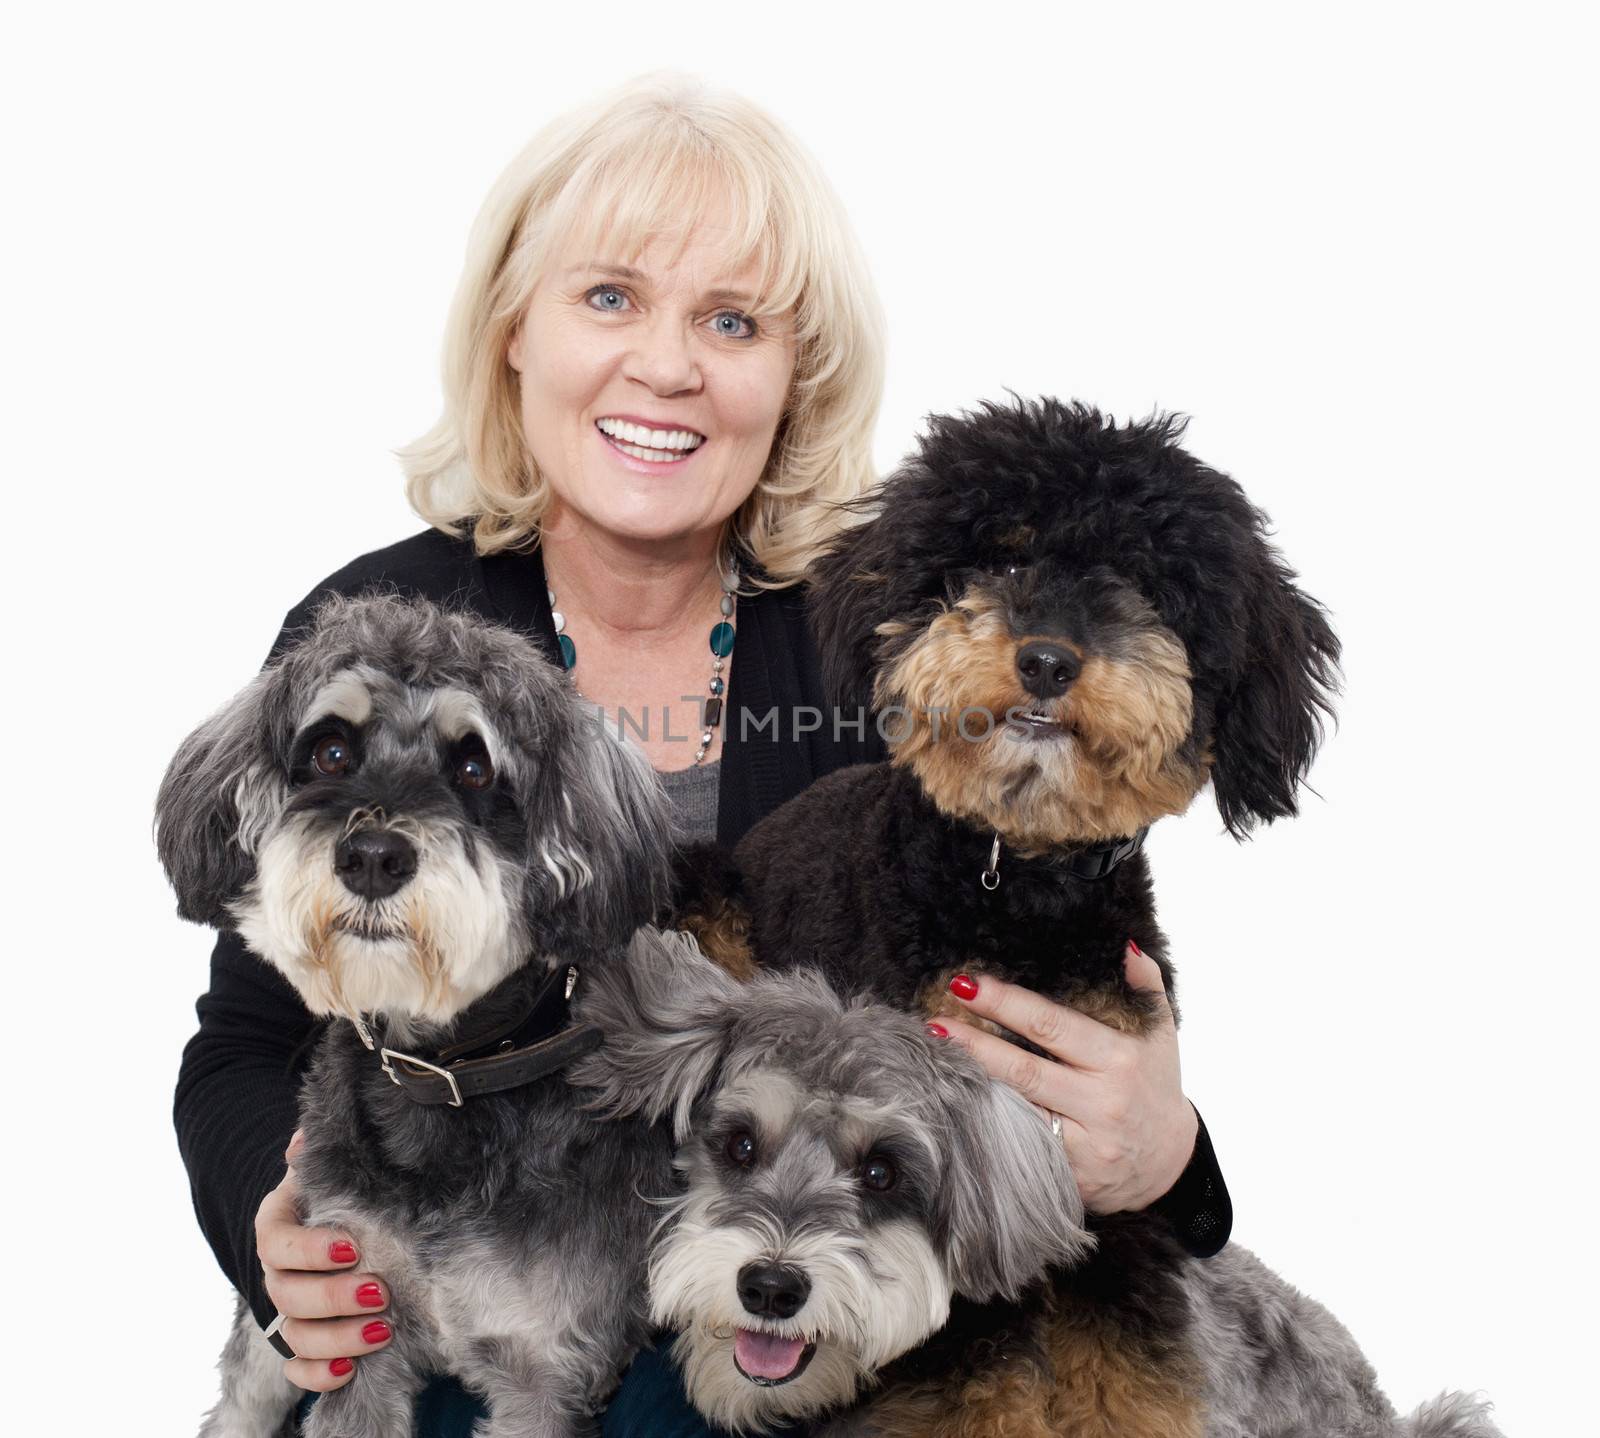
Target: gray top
(692, 794)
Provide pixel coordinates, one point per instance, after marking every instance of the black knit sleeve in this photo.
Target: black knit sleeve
(235, 1105)
(1197, 1205)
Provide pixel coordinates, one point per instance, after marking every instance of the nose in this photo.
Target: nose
(663, 357)
(374, 863)
(1047, 669)
(773, 1290)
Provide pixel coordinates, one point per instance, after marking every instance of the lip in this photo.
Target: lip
(646, 466)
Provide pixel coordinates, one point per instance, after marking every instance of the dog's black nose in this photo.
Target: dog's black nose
(375, 863)
(771, 1290)
(1047, 669)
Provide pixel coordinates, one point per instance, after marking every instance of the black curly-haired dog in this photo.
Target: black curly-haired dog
(1067, 628)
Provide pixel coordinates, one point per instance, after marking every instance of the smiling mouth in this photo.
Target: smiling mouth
(657, 446)
(768, 1359)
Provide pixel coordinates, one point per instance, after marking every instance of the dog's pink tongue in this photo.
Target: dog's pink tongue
(765, 1355)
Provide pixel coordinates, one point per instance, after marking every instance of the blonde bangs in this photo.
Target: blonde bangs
(647, 166)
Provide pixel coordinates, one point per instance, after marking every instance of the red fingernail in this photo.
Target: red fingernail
(963, 987)
(340, 1366)
(939, 1031)
(369, 1295)
(376, 1333)
(342, 1252)
(1137, 950)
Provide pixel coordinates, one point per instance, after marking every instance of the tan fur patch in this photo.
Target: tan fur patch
(1103, 1389)
(723, 932)
(1127, 1012)
(1100, 1387)
(1117, 768)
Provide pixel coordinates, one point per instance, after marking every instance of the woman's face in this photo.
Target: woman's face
(650, 397)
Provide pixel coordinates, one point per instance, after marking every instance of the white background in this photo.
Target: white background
(1352, 242)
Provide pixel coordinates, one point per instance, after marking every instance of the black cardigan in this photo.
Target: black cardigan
(235, 1106)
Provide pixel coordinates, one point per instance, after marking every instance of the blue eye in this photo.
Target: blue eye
(608, 292)
(747, 333)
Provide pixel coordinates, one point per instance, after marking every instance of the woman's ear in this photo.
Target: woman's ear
(1269, 726)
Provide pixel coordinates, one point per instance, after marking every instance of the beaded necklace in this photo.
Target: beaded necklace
(721, 640)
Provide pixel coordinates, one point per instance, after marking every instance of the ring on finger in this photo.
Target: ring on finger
(1051, 1117)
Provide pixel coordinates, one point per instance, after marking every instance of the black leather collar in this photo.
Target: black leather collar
(1098, 861)
(1094, 862)
(518, 1052)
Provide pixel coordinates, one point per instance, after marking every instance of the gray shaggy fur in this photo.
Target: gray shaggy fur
(1279, 1365)
(984, 1208)
(511, 1232)
(982, 1201)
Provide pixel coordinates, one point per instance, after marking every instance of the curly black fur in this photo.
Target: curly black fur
(861, 877)
(1015, 485)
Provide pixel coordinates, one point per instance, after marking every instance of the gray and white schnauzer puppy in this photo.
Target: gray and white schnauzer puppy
(855, 1186)
(412, 816)
(846, 1176)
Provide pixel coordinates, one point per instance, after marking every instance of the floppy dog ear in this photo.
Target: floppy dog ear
(221, 793)
(851, 590)
(668, 1015)
(603, 838)
(1269, 726)
(1010, 1207)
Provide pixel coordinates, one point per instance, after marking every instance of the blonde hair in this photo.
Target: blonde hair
(640, 163)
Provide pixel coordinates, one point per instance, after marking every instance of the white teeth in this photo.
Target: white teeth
(655, 456)
(637, 434)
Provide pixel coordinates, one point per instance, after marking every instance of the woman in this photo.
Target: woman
(663, 367)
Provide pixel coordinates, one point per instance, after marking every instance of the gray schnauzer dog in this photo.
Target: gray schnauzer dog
(412, 817)
(855, 1186)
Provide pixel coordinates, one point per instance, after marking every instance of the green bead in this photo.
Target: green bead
(569, 650)
(722, 640)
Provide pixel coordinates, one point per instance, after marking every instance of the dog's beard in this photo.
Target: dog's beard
(1109, 760)
(425, 952)
(873, 1296)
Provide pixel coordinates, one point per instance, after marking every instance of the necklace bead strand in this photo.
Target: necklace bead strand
(721, 640)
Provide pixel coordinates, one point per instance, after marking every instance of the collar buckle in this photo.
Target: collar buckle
(412, 1061)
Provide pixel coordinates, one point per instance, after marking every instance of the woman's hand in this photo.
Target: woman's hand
(1128, 1130)
(330, 1312)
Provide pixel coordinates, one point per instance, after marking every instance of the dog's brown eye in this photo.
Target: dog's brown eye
(476, 772)
(878, 1174)
(331, 756)
(741, 1149)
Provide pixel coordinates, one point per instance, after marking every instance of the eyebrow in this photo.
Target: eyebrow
(622, 272)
